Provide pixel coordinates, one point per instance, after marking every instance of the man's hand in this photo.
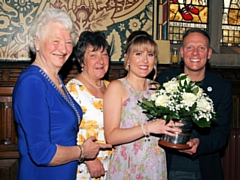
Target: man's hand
(193, 143)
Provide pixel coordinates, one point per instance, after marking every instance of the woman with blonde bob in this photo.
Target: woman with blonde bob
(137, 154)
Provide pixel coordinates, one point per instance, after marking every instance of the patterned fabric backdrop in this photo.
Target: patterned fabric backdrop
(117, 18)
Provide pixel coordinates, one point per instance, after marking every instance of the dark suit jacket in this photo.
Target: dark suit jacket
(214, 139)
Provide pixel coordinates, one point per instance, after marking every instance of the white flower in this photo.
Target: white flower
(188, 99)
(171, 86)
(162, 100)
(204, 105)
(153, 97)
(179, 98)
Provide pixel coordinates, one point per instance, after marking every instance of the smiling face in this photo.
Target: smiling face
(195, 52)
(141, 56)
(95, 63)
(141, 63)
(55, 45)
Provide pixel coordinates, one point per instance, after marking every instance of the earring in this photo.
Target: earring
(37, 49)
(128, 64)
(82, 68)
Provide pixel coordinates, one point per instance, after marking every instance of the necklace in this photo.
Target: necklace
(61, 84)
(58, 84)
(67, 97)
(92, 83)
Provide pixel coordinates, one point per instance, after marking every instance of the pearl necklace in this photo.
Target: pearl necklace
(92, 83)
(60, 85)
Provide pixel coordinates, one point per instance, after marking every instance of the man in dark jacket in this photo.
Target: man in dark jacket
(202, 161)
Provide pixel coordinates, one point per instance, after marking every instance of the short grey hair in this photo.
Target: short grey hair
(50, 15)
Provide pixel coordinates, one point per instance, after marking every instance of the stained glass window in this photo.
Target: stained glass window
(185, 14)
(231, 23)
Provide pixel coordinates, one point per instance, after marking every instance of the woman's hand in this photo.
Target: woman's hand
(91, 148)
(95, 168)
(161, 127)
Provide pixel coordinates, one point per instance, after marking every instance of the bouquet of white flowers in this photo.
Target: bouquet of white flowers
(180, 98)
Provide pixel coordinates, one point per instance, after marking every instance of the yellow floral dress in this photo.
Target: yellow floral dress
(91, 124)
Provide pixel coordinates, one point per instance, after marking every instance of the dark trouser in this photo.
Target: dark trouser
(184, 175)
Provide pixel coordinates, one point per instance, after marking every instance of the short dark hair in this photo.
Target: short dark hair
(198, 30)
(96, 39)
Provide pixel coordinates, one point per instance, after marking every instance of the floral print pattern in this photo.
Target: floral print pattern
(141, 159)
(91, 124)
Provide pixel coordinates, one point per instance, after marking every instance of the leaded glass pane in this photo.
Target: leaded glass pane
(230, 23)
(185, 14)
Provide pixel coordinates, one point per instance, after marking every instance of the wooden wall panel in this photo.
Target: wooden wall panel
(236, 112)
(9, 73)
(7, 134)
(8, 169)
(231, 158)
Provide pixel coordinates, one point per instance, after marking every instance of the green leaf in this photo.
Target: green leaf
(195, 90)
(147, 103)
(202, 123)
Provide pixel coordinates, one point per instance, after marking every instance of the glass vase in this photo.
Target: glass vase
(181, 138)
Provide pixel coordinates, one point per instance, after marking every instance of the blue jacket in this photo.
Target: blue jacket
(44, 118)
